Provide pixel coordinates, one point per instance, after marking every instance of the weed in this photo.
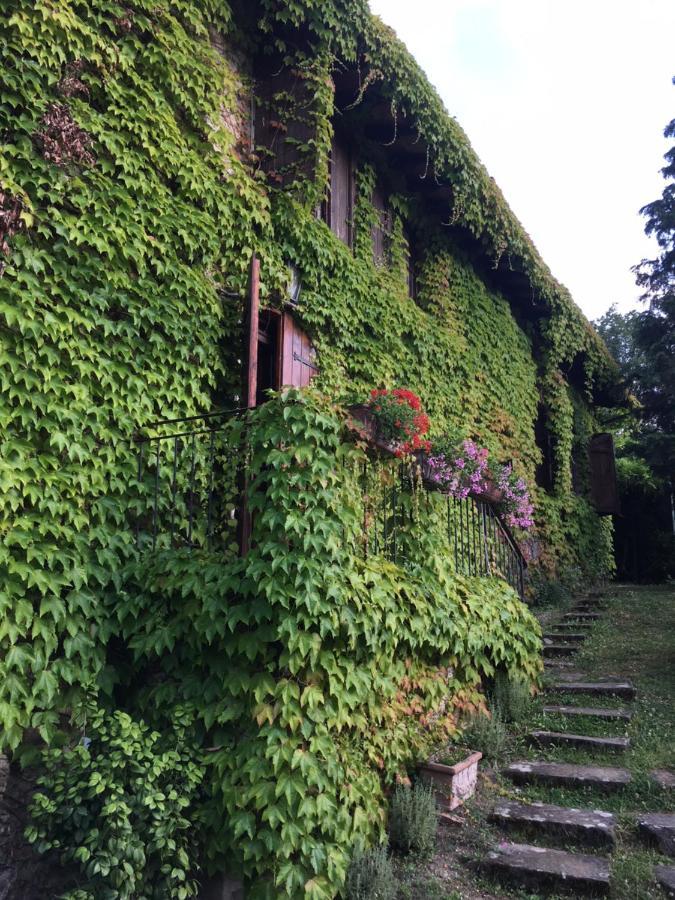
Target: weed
(413, 820)
(488, 733)
(512, 697)
(371, 876)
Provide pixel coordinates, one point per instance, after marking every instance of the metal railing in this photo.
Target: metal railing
(479, 540)
(188, 482)
(482, 543)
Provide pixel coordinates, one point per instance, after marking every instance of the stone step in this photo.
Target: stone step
(560, 649)
(595, 711)
(582, 741)
(665, 875)
(663, 778)
(563, 636)
(557, 662)
(597, 688)
(538, 866)
(588, 825)
(660, 829)
(604, 778)
(583, 616)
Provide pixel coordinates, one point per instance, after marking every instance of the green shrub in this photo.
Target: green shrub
(413, 820)
(117, 805)
(549, 592)
(512, 697)
(488, 734)
(371, 876)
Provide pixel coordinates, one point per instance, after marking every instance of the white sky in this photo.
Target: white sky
(565, 101)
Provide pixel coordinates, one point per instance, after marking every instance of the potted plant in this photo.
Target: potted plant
(456, 467)
(453, 774)
(393, 420)
(514, 501)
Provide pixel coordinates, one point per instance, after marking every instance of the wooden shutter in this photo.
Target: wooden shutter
(339, 206)
(298, 356)
(604, 489)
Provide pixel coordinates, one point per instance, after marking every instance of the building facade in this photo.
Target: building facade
(151, 151)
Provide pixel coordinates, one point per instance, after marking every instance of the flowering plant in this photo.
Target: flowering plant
(515, 504)
(400, 420)
(459, 470)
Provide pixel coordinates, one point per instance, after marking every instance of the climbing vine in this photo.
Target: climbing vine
(129, 210)
(316, 678)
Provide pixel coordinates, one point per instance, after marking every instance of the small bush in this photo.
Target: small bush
(547, 592)
(371, 876)
(413, 820)
(120, 806)
(512, 697)
(488, 734)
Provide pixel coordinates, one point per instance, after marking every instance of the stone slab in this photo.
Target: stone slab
(604, 778)
(591, 826)
(664, 778)
(541, 866)
(665, 875)
(583, 616)
(595, 711)
(554, 636)
(560, 649)
(660, 828)
(597, 688)
(582, 741)
(557, 662)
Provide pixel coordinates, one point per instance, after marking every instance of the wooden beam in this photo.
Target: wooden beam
(245, 523)
(253, 313)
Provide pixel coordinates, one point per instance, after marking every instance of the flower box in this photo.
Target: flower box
(362, 421)
(453, 784)
(492, 493)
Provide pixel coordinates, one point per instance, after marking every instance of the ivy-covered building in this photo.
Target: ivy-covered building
(151, 151)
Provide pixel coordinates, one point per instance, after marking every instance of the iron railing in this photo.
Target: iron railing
(188, 482)
(189, 494)
(482, 543)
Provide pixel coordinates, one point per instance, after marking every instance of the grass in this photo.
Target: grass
(634, 639)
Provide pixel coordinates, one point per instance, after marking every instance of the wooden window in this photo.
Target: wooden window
(604, 490)
(338, 207)
(542, 436)
(381, 232)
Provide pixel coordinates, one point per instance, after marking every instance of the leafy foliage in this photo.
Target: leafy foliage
(320, 676)
(118, 805)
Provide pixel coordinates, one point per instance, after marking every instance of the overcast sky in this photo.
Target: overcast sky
(565, 101)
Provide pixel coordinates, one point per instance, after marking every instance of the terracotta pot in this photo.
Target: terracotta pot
(493, 494)
(453, 784)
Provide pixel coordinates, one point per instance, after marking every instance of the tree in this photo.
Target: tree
(655, 328)
(643, 343)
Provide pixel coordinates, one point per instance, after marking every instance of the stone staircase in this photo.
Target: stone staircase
(565, 867)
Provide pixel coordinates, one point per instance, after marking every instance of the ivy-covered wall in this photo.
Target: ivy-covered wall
(129, 210)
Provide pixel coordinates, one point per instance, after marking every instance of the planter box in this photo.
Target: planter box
(362, 421)
(453, 784)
